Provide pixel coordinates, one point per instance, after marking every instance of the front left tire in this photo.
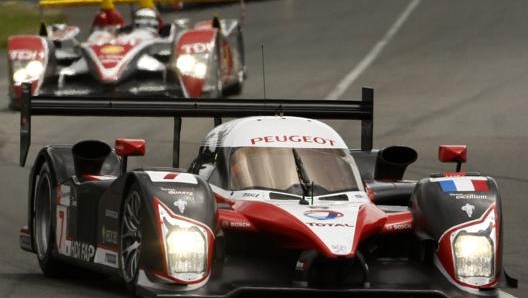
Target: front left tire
(44, 239)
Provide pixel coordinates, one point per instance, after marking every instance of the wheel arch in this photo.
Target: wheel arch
(61, 164)
(137, 179)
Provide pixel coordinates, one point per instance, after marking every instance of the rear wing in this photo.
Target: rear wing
(73, 3)
(179, 108)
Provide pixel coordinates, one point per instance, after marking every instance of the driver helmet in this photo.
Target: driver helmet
(146, 18)
(107, 17)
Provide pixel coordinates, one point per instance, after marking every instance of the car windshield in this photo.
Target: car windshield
(330, 170)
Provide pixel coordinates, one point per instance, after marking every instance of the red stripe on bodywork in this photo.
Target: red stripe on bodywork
(480, 185)
(370, 220)
(170, 176)
(223, 200)
(91, 177)
(274, 220)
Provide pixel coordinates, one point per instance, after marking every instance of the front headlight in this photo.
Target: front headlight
(192, 65)
(187, 246)
(186, 251)
(35, 69)
(200, 70)
(185, 63)
(20, 75)
(473, 255)
(32, 70)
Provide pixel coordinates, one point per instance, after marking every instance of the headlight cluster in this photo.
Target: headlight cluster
(186, 247)
(193, 65)
(186, 250)
(27, 71)
(474, 249)
(473, 256)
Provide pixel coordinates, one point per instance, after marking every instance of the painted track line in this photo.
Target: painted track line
(373, 54)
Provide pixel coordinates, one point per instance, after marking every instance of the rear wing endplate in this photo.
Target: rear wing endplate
(184, 107)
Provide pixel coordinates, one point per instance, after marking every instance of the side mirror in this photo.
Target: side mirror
(453, 153)
(129, 147)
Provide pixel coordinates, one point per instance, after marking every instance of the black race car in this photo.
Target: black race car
(274, 204)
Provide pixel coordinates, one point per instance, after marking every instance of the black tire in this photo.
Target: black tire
(43, 226)
(130, 243)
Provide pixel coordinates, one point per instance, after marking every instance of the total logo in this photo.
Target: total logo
(323, 214)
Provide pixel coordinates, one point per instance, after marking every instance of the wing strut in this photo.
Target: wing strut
(367, 125)
(25, 123)
(176, 142)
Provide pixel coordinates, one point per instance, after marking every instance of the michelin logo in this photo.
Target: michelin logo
(469, 196)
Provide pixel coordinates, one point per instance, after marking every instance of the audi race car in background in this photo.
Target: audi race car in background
(274, 203)
(178, 60)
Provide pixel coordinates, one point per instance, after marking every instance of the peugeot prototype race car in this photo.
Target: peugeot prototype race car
(176, 59)
(275, 203)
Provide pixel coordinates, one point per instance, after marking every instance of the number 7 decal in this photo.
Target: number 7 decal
(61, 230)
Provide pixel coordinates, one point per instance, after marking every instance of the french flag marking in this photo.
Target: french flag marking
(464, 184)
(448, 186)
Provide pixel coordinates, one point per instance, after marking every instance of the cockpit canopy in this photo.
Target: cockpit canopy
(285, 154)
(287, 169)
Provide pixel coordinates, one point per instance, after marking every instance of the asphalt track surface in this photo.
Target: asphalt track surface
(444, 72)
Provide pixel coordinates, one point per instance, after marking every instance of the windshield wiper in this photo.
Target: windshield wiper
(304, 180)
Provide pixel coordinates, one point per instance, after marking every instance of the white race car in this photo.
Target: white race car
(177, 59)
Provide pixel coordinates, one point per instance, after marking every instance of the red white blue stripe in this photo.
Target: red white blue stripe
(456, 184)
